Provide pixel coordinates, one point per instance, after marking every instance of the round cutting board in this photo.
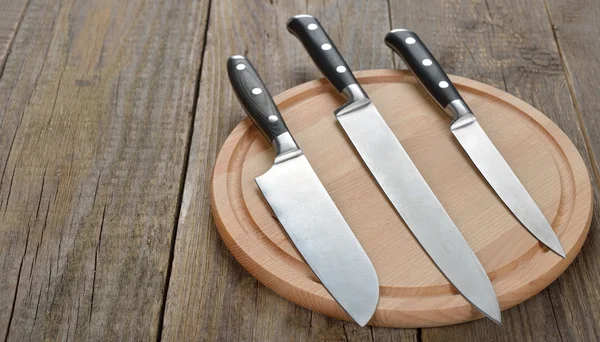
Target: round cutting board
(413, 293)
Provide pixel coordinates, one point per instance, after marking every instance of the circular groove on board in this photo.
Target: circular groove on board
(413, 293)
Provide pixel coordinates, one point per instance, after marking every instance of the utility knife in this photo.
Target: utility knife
(472, 137)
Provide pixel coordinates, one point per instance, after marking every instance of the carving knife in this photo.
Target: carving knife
(472, 137)
(396, 174)
(303, 206)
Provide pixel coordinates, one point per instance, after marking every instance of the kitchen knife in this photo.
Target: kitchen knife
(472, 137)
(303, 206)
(396, 174)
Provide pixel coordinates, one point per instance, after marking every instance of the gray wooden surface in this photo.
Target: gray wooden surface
(111, 116)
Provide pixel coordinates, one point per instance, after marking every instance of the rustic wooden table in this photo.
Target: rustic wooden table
(111, 116)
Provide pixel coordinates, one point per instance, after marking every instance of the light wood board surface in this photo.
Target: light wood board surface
(413, 293)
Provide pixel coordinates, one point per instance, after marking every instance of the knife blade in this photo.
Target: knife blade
(472, 137)
(303, 206)
(396, 174)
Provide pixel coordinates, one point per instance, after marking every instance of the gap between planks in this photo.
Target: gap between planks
(580, 121)
(12, 39)
(188, 145)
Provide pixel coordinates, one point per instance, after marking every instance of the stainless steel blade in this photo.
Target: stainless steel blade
(503, 180)
(417, 205)
(321, 235)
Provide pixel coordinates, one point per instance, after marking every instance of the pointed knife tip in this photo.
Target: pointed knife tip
(493, 313)
(362, 319)
(560, 252)
(555, 246)
(362, 304)
(363, 315)
(497, 320)
(361, 323)
(487, 304)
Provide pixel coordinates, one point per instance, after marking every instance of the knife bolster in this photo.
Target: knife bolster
(355, 98)
(457, 109)
(354, 92)
(285, 147)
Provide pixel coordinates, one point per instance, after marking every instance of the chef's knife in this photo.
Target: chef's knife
(396, 174)
(303, 206)
(472, 137)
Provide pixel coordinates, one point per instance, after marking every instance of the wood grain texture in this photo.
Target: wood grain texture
(413, 293)
(575, 25)
(211, 297)
(95, 109)
(11, 13)
(104, 120)
(508, 44)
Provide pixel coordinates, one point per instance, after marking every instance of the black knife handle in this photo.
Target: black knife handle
(423, 65)
(254, 97)
(322, 50)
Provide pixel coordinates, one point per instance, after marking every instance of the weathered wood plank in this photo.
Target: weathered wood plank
(96, 104)
(11, 13)
(508, 44)
(576, 299)
(210, 296)
(395, 335)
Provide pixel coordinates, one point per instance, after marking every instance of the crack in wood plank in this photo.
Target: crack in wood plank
(109, 167)
(576, 319)
(592, 159)
(184, 170)
(12, 310)
(15, 18)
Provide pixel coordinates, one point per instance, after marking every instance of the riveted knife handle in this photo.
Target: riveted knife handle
(254, 97)
(322, 50)
(423, 65)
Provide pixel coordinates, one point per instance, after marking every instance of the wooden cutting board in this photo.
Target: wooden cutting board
(413, 293)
